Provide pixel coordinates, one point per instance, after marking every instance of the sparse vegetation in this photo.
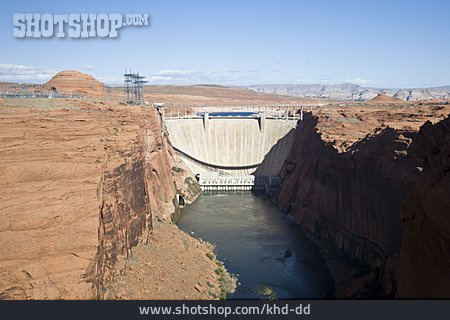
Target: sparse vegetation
(227, 281)
(267, 293)
(177, 169)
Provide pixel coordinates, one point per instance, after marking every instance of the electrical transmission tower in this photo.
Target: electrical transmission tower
(133, 87)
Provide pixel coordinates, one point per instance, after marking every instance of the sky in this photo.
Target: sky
(399, 44)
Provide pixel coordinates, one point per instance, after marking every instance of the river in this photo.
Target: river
(268, 252)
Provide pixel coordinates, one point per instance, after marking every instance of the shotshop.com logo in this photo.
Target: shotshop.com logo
(74, 25)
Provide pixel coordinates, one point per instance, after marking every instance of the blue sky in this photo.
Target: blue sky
(372, 43)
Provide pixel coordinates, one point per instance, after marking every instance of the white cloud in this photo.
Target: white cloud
(176, 72)
(111, 80)
(359, 81)
(239, 71)
(89, 68)
(18, 73)
(158, 78)
(324, 79)
(169, 75)
(189, 76)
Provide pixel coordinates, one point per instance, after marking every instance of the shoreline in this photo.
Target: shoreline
(172, 265)
(349, 278)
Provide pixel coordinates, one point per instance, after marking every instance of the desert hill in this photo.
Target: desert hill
(381, 98)
(75, 82)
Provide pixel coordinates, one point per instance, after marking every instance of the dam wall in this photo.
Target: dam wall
(231, 145)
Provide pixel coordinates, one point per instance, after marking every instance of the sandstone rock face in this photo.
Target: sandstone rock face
(132, 194)
(422, 269)
(81, 184)
(351, 198)
(75, 82)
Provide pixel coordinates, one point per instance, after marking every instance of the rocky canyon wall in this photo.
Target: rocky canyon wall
(351, 199)
(82, 183)
(422, 269)
(134, 192)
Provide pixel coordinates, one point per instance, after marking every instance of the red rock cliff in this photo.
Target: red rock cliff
(374, 203)
(422, 269)
(132, 193)
(81, 185)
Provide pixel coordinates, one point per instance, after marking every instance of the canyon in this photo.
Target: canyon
(376, 200)
(90, 189)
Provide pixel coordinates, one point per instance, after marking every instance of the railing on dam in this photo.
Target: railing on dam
(286, 113)
(215, 182)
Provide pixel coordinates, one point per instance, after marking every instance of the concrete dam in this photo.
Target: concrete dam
(233, 150)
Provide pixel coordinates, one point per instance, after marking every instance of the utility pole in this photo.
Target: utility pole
(330, 109)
